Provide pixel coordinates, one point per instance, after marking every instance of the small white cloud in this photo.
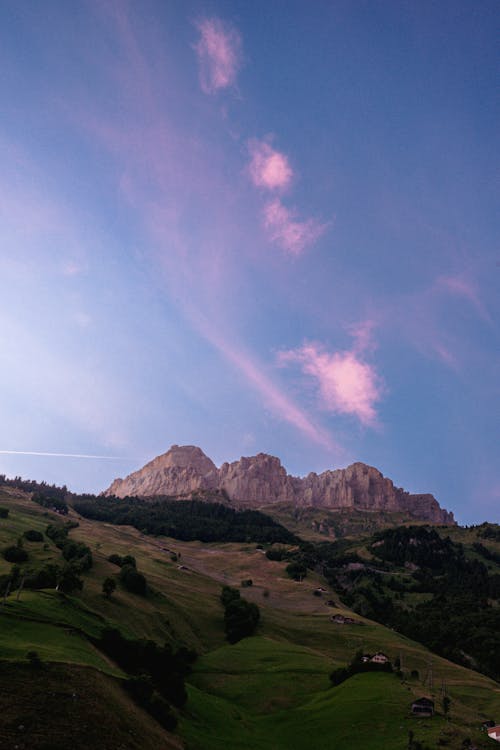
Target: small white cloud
(346, 384)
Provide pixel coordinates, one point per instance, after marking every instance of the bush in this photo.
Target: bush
(4, 512)
(33, 536)
(15, 554)
(246, 583)
(132, 580)
(115, 559)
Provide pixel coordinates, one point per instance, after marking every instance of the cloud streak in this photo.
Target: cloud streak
(219, 52)
(63, 455)
(345, 383)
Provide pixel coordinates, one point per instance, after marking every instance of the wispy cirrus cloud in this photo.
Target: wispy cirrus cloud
(293, 235)
(268, 168)
(346, 384)
(462, 286)
(219, 52)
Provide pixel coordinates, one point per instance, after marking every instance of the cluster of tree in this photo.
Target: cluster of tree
(357, 665)
(121, 561)
(15, 553)
(130, 577)
(30, 485)
(64, 578)
(52, 500)
(78, 554)
(240, 617)
(489, 531)
(156, 673)
(488, 554)
(185, 519)
(32, 535)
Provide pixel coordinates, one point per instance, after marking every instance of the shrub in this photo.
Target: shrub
(15, 554)
(33, 536)
(115, 559)
(246, 583)
(4, 512)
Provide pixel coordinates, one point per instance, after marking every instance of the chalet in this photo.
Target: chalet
(494, 733)
(422, 707)
(379, 658)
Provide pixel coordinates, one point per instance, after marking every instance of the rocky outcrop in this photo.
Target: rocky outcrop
(261, 480)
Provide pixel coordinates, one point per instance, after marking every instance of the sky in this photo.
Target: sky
(252, 227)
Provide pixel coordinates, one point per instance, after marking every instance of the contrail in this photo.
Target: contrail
(65, 455)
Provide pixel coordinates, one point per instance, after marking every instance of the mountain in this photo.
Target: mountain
(261, 480)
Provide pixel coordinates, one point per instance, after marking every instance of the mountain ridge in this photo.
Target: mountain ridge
(261, 480)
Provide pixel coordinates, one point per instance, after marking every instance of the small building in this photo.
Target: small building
(423, 707)
(494, 733)
(379, 658)
(366, 658)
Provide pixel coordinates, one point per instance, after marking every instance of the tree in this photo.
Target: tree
(240, 619)
(108, 586)
(133, 581)
(69, 580)
(446, 705)
(296, 570)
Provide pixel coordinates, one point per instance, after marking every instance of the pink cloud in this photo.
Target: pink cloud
(346, 384)
(268, 168)
(285, 230)
(219, 52)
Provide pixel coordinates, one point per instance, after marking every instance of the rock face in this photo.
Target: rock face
(261, 480)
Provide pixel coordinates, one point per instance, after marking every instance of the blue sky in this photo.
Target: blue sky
(252, 227)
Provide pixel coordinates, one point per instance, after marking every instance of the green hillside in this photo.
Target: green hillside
(270, 691)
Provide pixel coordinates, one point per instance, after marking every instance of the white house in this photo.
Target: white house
(494, 733)
(379, 658)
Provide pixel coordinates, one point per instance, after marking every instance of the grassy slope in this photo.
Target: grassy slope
(271, 691)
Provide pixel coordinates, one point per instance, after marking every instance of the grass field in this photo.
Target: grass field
(267, 692)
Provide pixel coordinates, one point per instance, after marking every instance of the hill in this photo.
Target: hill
(268, 691)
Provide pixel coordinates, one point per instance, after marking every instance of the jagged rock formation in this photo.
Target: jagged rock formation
(261, 480)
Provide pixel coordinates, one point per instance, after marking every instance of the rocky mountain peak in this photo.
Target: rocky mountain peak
(256, 481)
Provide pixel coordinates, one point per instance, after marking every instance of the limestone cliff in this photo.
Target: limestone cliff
(261, 480)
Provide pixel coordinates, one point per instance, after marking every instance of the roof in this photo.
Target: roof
(423, 702)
